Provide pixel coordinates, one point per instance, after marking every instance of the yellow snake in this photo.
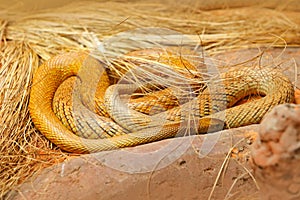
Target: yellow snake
(135, 128)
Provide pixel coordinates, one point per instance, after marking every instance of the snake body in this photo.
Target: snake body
(208, 106)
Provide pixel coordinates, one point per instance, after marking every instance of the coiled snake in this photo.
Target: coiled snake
(116, 128)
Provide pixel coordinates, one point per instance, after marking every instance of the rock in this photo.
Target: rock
(276, 154)
(180, 168)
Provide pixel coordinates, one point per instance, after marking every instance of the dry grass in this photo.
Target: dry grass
(29, 38)
(23, 150)
(76, 26)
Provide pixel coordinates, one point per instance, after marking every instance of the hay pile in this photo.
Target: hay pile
(27, 39)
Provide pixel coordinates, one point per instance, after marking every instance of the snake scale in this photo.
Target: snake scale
(116, 127)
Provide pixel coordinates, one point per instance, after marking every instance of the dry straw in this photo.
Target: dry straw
(27, 39)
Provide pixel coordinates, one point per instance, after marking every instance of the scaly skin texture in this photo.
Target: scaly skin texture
(55, 71)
